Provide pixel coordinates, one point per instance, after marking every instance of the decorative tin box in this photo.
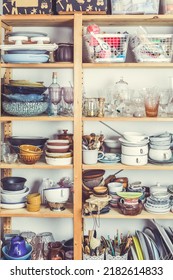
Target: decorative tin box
(16, 7)
(85, 6)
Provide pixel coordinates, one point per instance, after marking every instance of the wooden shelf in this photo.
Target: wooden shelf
(128, 65)
(128, 20)
(127, 119)
(36, 118)
(115, 214)
(37, 20)
(37, 65)
(42, 213)
(38, 165)
(117, 166)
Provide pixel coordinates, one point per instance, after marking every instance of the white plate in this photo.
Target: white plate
(27, 33)
(133, 144)
(157, 210)
(143, 244)
(14, 192)
(165, 237)
(12, 205)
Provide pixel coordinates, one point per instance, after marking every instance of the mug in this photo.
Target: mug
(91, 156)
(55, 251)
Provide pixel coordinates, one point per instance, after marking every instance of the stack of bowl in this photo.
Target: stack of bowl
(91, 179)
(16, 141)
(114, 188)
(29, 154)
(134, 148)
(57, 152)
(13, 192)
(160, 147)
(33, 202)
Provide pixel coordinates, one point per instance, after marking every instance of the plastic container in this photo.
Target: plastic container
(135, 7)
(105, 47)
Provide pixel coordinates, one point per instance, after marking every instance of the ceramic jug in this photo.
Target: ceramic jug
(46, 184)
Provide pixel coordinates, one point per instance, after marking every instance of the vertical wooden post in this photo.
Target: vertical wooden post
(77, 206)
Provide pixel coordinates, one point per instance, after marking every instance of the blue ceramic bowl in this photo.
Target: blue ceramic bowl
(5, 250)
(24, 89)
(32, 97)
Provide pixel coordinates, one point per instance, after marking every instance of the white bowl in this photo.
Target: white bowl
(160, 155)
(13, 192)
(111, 143)
(58, 155)
(58, 161)
(57, 142)
(58, 195)
(115, 187)
(14, 198)
(134, 136)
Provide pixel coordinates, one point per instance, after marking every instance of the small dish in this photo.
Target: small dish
(25, 58)
(12, 205)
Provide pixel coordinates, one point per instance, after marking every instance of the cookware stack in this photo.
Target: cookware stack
(160, 147)
(134, 149)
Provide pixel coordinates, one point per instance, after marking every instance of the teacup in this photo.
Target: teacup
(92, 156)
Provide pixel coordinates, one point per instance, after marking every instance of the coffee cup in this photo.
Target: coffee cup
(92, 156)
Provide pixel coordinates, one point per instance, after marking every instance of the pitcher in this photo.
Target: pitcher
(46, 184)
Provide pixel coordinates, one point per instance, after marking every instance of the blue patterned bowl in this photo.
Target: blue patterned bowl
(24, 108)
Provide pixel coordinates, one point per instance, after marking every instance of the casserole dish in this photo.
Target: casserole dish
(134, 160)
(134, 151)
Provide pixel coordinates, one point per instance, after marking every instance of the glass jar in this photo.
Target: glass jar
(91, 107)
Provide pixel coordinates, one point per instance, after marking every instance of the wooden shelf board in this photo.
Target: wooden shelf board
(127, 65)
(37, 20)
(37, 165)
(126, 20)
(115, 214)
(37, 65)
(127, 167)
(43, 213)
(36, 118)
(128, 119)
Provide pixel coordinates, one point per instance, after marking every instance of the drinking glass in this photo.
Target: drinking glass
(151, 102)
(68, 96)
(55, 96)
(163, 102)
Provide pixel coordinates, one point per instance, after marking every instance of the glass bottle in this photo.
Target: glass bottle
(55, 96)
(121, 95)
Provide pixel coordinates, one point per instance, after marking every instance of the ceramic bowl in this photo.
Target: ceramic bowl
(112, 144)
(100, 190)
(18, 97)
(57, 142)
(91, 183)
(59, 155)
(29, 158)
(25, 109)
(25, 257)
(131, 210)
(27, 140)
(30, 149)
(22, 89)
(134, 136)
(13, 183)
(13, 197)
(160, 155)
(59, 161)
(92, 174)
(58, 195)
(34, 198)
(58, 149)
(115, 187)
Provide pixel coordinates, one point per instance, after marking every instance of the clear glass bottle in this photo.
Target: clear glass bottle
(55, 96)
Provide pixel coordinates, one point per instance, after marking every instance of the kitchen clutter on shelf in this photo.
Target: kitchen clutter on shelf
(28, 245)
(154, 242)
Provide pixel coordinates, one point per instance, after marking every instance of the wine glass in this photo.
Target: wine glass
(68, 96)
(55, 95)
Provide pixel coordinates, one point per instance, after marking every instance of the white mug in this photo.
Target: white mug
(91, 156)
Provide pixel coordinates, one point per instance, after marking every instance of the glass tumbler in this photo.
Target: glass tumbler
(151, 102)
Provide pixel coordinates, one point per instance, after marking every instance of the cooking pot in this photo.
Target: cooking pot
(134, 160)
(64, 53)
(134, 151)
(160, 155)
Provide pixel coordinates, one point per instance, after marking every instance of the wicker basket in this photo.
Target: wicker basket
(115, 51)
(152, 47)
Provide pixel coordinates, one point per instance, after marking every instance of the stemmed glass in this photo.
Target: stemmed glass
(55, 95)
(68, 96)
